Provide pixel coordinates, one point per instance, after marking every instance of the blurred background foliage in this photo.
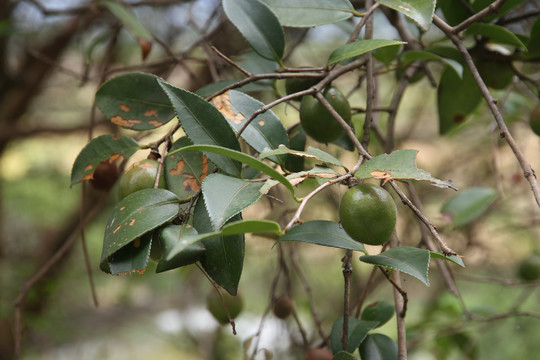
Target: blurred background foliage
(54, 55)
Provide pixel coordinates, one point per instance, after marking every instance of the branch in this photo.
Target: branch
(492, 8)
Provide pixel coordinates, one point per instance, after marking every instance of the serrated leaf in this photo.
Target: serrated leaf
(456, 98)
(420, 11)
(414, 55)
(495, 33)
(226, 196)
(358, 48)
(101, 148)
(265, 131)
(308, 13)
(453, 258)
(132, 257)
(204, 124)
(378, 347)
(129, 20)
(136, 215)
(407, 259)
(224, 257)
(310, 153)
(469, 204)
(231, 228)
(134, 101)
(170, 236)
(323, 232)
(259, 26)
(399, 165)
(185, 171)
(357, 330)
(244, 158)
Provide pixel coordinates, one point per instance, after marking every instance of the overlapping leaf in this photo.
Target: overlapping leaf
(310, 153)
(421, 11)
(132, 257)
(170, 236)
(357, 330)
(308, 13)
(358, 48)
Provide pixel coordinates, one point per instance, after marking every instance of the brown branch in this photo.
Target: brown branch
(347, 272)
(492, 8)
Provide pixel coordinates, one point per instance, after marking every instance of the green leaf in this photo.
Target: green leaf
(455, 259)
(456, 98)
(378, 347)
(129, 20)
(226, 196)
(170, 236)
(400, 165)
(357, 330)
(204, 124)
(297, 141)
(308, 13)
(414, 55)
(387, 54)
(136, 215)
(420, 11)
(132, 257)
(495, 33)
(533, 45)
(358, 48)
(454, 11)
(343, 355)
(321, 173)
(246, 159)
(323, 232)
(134, 101)
(407, 259)
(469, 204)
(259, 26)
(265, 131)
(379, 312)
(185, 171)
(101, 148)
(224, 257)
(311, 153)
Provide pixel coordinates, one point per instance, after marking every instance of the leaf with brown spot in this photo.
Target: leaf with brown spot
(102, 148)
(223, 104)
(134, 101)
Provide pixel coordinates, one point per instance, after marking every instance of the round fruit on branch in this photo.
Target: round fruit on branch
(233, 304)
(141, 175)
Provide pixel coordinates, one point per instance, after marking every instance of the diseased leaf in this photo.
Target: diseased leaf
(259, 26)
(131, 258)
(323, 232)
(320, 173)
(468, 205)
(265, 131)
(311, 153)
(421, 11)
(308, 13)
(495, 33)
(358, 48)
(134, 101)
(204, 124)
(101, 148)
(170, 236)
(407, 259)
(185, 171)
(378, 347)
(399, 165)
(136, 215)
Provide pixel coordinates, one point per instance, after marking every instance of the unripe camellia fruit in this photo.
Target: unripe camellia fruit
(319, 354)
(294, 85)
(141, 175)
(534, 120)
(283, 307)
(368, 214)
(529, 269)
(317, 120)
(234, 305)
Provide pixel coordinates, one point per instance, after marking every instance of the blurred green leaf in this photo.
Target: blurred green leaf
(400, 165)
(101, 148)
(469, 204)
(129, 20)
(357, 330)
(308, 13)
(323, 232)
(414, 55)
(343, 355)
(379, 312)
(378, 347)
(358, 48)
(421, 11)
(453, 258)
(259, 26)
(495, 33)
(134, 101)
(407, 259)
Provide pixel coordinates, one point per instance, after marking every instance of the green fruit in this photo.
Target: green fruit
(317, 120)
(534, 119)
(496, 74)
(283, 307)
(234, 305)
(294, 85)
(141, 175)
(368, 214)
(529, 269)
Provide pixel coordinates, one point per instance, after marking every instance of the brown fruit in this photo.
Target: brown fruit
(105, 176)
(318, 354)
(283, 307)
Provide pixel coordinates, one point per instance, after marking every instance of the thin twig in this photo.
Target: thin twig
(492, 8)
(347, 272)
